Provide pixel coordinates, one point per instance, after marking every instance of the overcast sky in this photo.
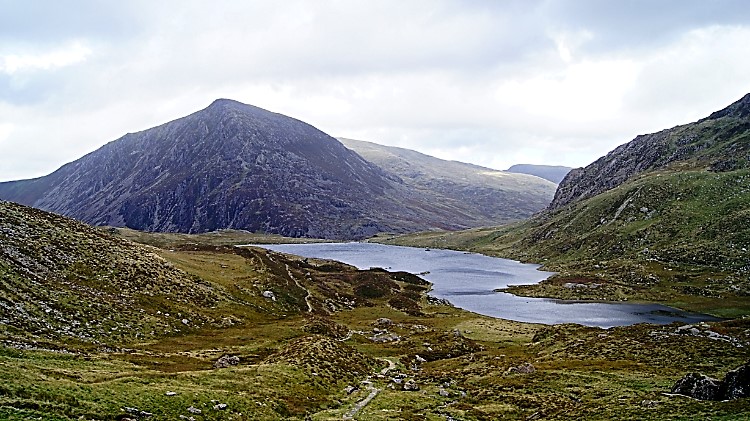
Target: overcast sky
(488, 82)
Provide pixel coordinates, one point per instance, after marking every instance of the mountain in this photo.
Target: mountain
(718, 143)
(493, 196)
(235, 166)
(553, 173)
(663, 217)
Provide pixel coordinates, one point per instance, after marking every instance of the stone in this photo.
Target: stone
(194, 410)
(411, 385)
(227, 361)
(736, 383)
(270, 295)
(698, 386)
(383, 322)
(444, 393)
(170, 393)
(220, 406)
(419, 359)
(526, 368)
(350, 389)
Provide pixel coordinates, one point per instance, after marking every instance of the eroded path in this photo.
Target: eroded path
(296, 282)
(373, 391)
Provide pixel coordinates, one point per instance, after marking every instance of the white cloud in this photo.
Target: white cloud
(496, 83)
(73, 53)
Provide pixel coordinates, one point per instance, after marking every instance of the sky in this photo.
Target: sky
(495, 83)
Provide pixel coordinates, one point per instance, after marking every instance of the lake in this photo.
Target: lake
(469, 281)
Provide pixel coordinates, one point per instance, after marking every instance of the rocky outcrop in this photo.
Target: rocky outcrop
(703, 143)
(236, 166)
(698, 386)
(227, 361)
(736, 385)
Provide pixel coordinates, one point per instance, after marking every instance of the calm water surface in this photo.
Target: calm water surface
(468, 280)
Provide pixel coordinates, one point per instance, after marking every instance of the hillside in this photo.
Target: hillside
(496, 196)
(553, 173)
(235, 166)
(664, 217)
(97, 327)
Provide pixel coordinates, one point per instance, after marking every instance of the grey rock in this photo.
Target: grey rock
(220, 406)
(736, 383)
(698, 386)
(411, 385)
(650, 152)
(526, 368)
(383, 322)
(194, 410)
(227, 361)
(269, 294)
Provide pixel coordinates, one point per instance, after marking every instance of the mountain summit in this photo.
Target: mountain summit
(233, 165)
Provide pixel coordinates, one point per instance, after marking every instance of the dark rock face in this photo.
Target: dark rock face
(715, 142)
(698, 386)
(237, 166)
(737, 383)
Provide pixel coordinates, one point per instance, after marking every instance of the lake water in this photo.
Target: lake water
(468, 281)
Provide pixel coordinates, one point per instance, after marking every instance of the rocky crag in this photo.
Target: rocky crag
(719, 143)
(237, 166)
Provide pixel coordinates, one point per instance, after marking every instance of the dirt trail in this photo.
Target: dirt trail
(296, 282)
(373, 391)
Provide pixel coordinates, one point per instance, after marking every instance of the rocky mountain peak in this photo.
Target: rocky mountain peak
(739, 109)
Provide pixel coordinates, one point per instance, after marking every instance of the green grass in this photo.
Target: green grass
(295, 363)
(680, 237)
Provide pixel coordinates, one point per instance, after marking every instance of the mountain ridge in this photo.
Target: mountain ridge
(237, 166)
(696, 141)
(495, 196)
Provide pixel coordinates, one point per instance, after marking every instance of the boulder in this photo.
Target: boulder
(698, 386)
(525, 368)
(270, 295)
(227, 361)
(411, 385)
(737, 383)
(383, 322)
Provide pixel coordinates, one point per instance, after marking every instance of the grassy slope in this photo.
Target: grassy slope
(676, 236)
(295, 363)
(487, 196)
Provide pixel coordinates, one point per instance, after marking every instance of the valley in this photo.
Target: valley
(293, 363)
(116, 323)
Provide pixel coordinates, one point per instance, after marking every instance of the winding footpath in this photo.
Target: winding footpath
(373, 391)
(296, 282)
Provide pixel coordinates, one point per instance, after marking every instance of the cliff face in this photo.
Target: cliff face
(719, 142)
(232, 165)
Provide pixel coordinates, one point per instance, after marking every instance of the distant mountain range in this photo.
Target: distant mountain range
(490, 195)
(553, 173)
(237, 166)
